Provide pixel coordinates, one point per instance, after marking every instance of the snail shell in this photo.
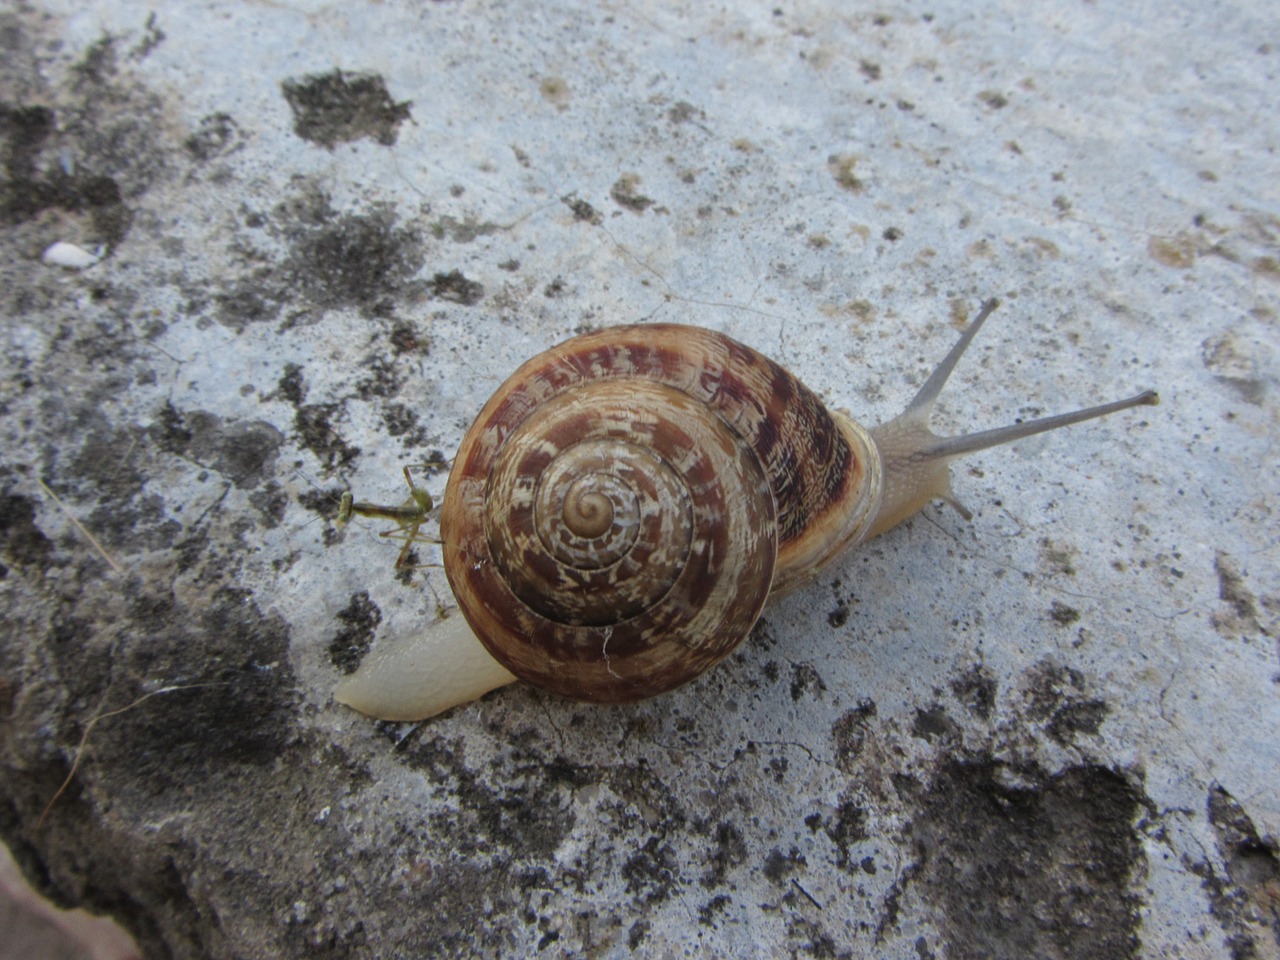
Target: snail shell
(624, 505)
(626, 502)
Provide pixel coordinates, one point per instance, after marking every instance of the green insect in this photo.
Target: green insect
(408, 516)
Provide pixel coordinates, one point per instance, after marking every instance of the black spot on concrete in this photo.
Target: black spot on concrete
(849, 733)
(729, 851)
(22, 542)
(247, 301)
(91, 157)
(1031, 865)
(462, 231)
(1231, 588)
(847, 828)
(336, 261)
(360, 261)
(242, 451)
(1075, 717)
(717, 904)
(838, 616)
(583, 212)
(382, 378)
(805, 678)
(513, 812)
(27, 189)
(292, 385)
(456, 288)
(1243, 894)
(976, 689)
(341, 107)
(402, 421)
(110, 461)
(216, 135)
(637, 934)
(239, 704)
(1055, 697)
(651, 871)
(778, 865)
(809, 936)
(406, 338)
(625, 193)
(933, 722)
(359, 619)
(312, 422)
(1063, 615)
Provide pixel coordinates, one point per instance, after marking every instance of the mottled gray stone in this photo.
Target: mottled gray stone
(331, 230)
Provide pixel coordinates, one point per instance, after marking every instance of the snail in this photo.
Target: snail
(623, 507)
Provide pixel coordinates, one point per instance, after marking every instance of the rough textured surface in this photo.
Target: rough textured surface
(330, 230)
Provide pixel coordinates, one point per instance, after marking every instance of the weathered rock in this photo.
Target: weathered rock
(1049, 732)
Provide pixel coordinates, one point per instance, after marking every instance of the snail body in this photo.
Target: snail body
(623, 507)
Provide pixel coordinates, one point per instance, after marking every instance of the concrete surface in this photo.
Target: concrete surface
(315, 238)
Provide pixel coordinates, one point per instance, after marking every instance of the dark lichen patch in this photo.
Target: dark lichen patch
(358, 260)
(313, 425)
(708, 911)
(1241, 608)
(271, 502)
(462, 231)
(1178, 252)
(1244, 893)
(242, 451)
(1057, 856)
(359, 619)
(583, 212)
(976, 689)
(843, 167)
(247, 301)
(729, 850)
(511, 811)
(1055, 697)
(778, 866)
(405, 337)
(1057, 558)
(110, 463)
(456, 288)
(1063, 615)
(805, 678)
(31, 186)
(401, 420)
(651, 872)
(216, 135)
(381, 379)
(1076, 717)
(237, 705)
(810, 938)
(340, 107)
(22, 542)
(933, 722)
(626, 193)
(849, 734)
(845, 829)
(90, 157)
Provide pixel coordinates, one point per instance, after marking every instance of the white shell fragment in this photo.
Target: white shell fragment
(440, 668)
(71, 256)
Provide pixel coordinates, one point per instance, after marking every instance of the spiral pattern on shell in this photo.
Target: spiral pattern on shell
(620, 510)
